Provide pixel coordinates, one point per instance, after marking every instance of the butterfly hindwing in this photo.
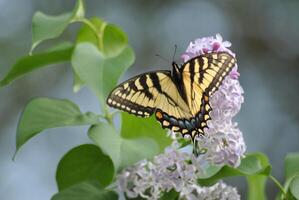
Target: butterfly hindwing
(202, 76)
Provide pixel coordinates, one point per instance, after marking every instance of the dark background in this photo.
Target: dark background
(265, 37)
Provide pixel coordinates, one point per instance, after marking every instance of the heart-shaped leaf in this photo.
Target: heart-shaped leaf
(134, 127)
(83, 163)
(114, 40)
(291, 165)
(252, 164)
(98, 72)
(294, 187)
(46, 27)
(44, 113)
(291, 174)
(123, 152)
(90, 190)
(86, 34)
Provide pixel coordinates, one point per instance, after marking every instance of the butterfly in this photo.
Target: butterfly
(178, 98)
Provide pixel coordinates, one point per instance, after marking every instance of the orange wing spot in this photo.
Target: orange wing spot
(206, 98)
(159, 115)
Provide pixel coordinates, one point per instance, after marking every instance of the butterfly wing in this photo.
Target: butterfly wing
(148, 93)
(202, 76)
(155, 92)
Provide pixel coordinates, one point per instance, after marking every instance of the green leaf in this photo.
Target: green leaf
(210, 171)
(291, 165)
(98, 72)
(294, 187)
(257, 183)
(171, 195)
(60, 46)
(256, 187)
(79, 10)
(114, 40)
(83, 163)
(86, 34)
(291, 172)
(134, 127)
(90, 190)
(33, 62)
(77, 83)
(44, 113)
(46, 27)
(123, 152)
(252, 164)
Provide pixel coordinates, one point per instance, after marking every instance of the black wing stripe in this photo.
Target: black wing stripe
(133, 86)
(191, 68)
(142, 81)
(220, 75)
(157, 85)
(156, 82)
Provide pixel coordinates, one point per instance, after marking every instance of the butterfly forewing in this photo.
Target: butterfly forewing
(207, 71)
(147, 93)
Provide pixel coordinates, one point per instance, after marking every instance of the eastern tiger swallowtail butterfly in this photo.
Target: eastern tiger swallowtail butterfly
(178, 98)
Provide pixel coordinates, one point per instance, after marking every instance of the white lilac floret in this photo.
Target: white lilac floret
(219, 191)
(171, 170)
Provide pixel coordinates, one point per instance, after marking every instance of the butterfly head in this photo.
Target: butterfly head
(176, 71)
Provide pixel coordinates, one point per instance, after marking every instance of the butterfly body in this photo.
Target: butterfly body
(179, 98)
(178, 80)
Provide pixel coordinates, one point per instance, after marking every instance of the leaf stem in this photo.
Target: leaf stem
(108, 116)
(97, 33)
(279, 186)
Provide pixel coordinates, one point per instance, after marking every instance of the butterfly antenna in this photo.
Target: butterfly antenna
(164, 59)
(175, 48)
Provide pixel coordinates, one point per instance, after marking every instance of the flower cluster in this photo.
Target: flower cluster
(219, 191)
(206, 45)
(223, 144)
(224, 141)
(172, 170)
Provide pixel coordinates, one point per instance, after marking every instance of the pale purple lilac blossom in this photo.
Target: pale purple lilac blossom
(219, 191)
(172, 170)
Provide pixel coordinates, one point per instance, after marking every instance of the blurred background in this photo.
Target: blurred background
(265, 37)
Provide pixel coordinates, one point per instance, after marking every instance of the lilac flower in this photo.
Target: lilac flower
(172, 170)
(206, 45)
(150, 179)
(224, 143)
(219, 191)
